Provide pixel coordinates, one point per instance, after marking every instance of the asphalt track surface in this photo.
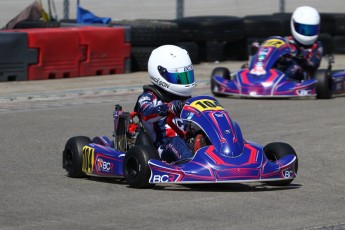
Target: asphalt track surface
(37, 118)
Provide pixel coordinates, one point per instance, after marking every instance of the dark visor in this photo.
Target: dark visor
(306, 30)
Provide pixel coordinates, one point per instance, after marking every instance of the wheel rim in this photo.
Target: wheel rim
(132, 168)
(69, 160)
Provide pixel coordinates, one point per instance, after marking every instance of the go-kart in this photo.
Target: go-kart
(264, 77)
(221, 155)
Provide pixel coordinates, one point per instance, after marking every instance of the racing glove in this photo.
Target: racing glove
(175, 107)
(302, 57)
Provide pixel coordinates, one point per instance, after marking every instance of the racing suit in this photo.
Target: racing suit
(153, 109)
(304, 60)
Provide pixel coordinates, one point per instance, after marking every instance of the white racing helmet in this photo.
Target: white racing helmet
(171, 69)
(305, 25)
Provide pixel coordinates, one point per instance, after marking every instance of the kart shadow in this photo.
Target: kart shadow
(118, 181)
(233, 187)
(269, 98)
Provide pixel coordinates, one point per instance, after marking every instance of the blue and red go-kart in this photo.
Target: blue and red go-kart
(264, 77)
(221, 154)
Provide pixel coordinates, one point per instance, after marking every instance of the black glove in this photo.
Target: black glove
(302, 56)
(175, 107)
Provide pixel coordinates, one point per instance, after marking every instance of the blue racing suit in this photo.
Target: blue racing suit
(304, 60)
(153, 112)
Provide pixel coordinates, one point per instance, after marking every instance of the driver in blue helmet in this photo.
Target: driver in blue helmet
(171, 72)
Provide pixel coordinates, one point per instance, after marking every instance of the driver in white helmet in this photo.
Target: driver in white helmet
(171, 72)
(307, 50)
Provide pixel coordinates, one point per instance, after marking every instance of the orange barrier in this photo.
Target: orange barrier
(75, 51)
(105, 50)
(59, 53)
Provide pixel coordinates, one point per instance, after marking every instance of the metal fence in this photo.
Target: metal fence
(167, 9)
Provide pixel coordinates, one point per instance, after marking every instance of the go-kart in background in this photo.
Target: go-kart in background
(210, 31)
(36, 194)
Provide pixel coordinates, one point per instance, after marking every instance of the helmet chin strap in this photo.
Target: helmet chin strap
(162, 94)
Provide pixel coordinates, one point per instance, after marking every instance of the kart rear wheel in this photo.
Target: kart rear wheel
(275, 151)
(136, 169)
(72, 156)
(324, 84)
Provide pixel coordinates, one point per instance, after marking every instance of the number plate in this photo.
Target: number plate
(206, 104)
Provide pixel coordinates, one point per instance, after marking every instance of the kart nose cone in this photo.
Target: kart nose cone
(226, 150)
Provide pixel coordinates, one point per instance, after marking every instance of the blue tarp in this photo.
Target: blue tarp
(86, 17)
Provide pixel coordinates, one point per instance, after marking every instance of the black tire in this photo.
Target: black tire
(327, 24)
(224, 73)
(285, 19)
(221, 71)
(339, 24)
(148, 33)
(211, 51)
(214, 93)
(327, 43)
(136, 169)
(263, 26)
(236, 51)
(339, 44)
(140, 57)
(72, 156)
(275, 151)
(211, 28)
(193, 50)
(36, 24)
(324, 84)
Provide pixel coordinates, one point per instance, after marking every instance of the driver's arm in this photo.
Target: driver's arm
(149, 108)
(309, 58)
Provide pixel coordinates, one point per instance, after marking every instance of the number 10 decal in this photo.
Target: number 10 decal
(206, 104)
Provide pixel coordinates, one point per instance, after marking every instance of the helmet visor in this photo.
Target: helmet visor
(180, 76)
(306, 30)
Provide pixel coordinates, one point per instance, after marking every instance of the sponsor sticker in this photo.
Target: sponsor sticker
(206, 104)
(103, 165)
(160, 83)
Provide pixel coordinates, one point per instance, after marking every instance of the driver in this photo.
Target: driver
(171, 72)
(307, 51)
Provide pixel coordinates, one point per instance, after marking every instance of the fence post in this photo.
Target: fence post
(66, 9)
(179, 8)
(282, 6)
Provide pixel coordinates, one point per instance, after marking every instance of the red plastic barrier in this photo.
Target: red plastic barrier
(105, 50)
(59, 53)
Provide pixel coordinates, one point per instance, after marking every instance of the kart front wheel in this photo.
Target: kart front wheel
(275, 151)
(136, 169)
(323, 84)
(222, 72)
(72, 156)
